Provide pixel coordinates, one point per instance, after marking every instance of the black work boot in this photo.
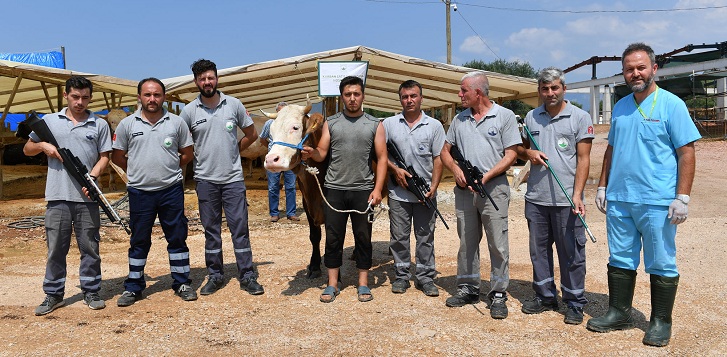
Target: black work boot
(621, 284)
(663, 293)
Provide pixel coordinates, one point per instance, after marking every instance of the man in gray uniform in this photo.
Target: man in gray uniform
(69, 208)
(564, 133)
(212, 118)
(158, 145)
(419, 139)
(354, 139)
(487, 136)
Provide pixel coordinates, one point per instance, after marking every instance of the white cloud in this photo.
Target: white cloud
(473, 44)
(558, 54)
(595, 26)
(535, 37)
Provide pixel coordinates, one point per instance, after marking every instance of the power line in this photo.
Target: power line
(478, 35)
(595, 11)
(557, 11)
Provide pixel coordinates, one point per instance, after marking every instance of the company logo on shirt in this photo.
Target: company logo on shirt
(562, 143)
(167, 142)
(651, 120)
(229, 125)
(492, 131)
(590, 129)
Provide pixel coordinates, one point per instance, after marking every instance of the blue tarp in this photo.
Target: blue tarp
(48, 59)
(14, 119)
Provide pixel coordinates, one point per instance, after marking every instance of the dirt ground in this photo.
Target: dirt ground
(289, 320)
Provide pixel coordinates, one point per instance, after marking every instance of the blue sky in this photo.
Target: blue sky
(137, 39)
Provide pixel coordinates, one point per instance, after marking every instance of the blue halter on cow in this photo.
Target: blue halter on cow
(291, 128)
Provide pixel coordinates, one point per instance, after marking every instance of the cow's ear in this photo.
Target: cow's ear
(313, 122)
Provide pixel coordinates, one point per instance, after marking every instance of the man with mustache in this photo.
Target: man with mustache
(486, 134)
(152, 145)
(351, 139)
(69, 209)
(419, 139)
(564, 134)
(646, 179)
(213, 118)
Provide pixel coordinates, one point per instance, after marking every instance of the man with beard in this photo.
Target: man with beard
(153, 145)
(419, 139)
(486, 134)
(69, 208)
(353, 139)
(213, 118)
(564, 134)
(646, 179)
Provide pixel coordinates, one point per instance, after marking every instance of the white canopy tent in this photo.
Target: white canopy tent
(262, 85)
(26, 87)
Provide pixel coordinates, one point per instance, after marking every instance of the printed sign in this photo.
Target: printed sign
(330, 74)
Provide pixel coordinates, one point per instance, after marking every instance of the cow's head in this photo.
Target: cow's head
(290, 126)
(114, 117)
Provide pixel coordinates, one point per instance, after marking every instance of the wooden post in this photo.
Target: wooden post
(47, 97)
(2, 152)
(59, 89)
(12, 96)
(329, 107)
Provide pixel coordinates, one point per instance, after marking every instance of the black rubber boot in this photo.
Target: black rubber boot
(663, 294)
(621, 283)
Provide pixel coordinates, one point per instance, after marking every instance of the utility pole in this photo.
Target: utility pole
(449, 32)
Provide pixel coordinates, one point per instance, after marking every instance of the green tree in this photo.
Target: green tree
(378, 113)
(514, 68)
(700, 102)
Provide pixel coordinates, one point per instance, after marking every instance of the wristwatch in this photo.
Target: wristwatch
(683, 198)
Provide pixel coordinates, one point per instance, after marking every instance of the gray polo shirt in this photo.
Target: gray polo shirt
(351, 152)
(85, 140)
(418, 146)
(216, 154)
(152, 150)
(557, 138)
(484, 143)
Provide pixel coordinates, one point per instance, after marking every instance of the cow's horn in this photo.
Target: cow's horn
(269, 115)
(308, 106)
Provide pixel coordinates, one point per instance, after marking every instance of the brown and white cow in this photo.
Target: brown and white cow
(291, 125)
(256, 149)
(114, 117)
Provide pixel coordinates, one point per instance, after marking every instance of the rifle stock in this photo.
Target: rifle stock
(76, 169)
(415, 184)
(472, 174)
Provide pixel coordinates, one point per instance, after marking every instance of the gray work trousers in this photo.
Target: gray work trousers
(61, 219)
(473, 214)
(401, 216)
(232, 197)
(557, 225)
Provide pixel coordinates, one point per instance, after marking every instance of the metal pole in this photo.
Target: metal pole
(449, 32)
(63, 51)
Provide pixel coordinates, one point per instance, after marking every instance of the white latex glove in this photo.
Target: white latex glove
(678, 211)
(601, 199)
